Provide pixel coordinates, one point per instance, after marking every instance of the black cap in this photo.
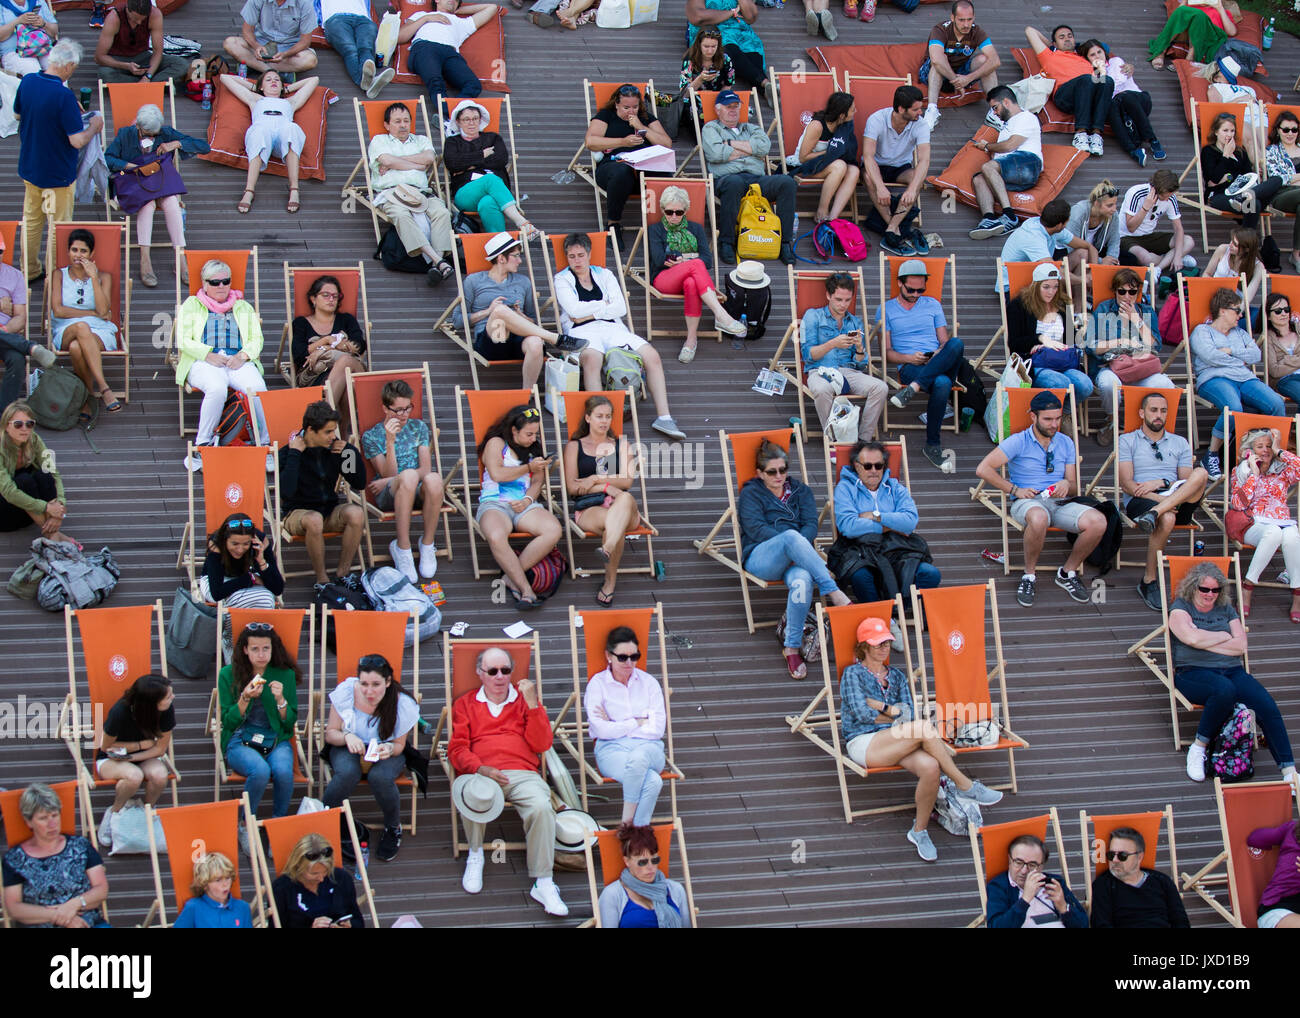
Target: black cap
(1044, 401)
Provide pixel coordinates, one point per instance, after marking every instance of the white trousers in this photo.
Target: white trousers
(213, 382)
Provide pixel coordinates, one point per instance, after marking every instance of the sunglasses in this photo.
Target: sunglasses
(871, 465)
(628, 90)
(674, 212)
(912, 291)
(1108, 192)
(316, 855)
(777, 471)
(1280, 311)
(244, 524)
(652, 860)
(400, 409)
(530, 413)
(24, 425)
(372, 663)
(1288, 130)
(501, 670)
(1209, 590)
(1049, 458)
(1235, 311)
(218, 282)
(1026, 864)
(1120, 856)
(1155, 449)
(625, 658)
(1128, 289)
(259, 627)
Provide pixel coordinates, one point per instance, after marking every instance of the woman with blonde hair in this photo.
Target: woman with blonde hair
(311, 893)
(31, 490)
(1264, 476)
(1093, 219)
(1040, 328)
(212, 907)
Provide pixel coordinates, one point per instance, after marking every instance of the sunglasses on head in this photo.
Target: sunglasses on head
(1108, 192)
(871, 464)
(218, 282)
(625, 658)
(1128, 289)
(499, 670)
(372, 663)
(628, 90)
(25, 425)
(259, 627)
(1208, 590)
(530, 414)
(777, 471)
(649, 860)
(244, 524)
(1120, 856)
(317, 854)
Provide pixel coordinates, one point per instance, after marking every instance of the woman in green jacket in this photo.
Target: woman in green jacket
(31, 490)
(258, 695)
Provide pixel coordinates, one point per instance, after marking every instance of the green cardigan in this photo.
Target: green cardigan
(228, 697)
(189, 330)
(43, 460)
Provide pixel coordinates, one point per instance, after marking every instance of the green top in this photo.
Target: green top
(43, 460)
(231, 718)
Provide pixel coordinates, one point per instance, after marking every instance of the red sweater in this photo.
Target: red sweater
(510, 742)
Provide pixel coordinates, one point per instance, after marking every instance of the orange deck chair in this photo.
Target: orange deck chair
(1203, 114)
(370, 122)
(604, 253)
(797, 95)
(1274, 282)
(124, 100)
(1195, 309)
(11, 232)
(113, 258)
(234, 481)
(192, 832)
(996, 841)
(357, 634)
(703, 107)
(611, 865)
(1238, 425)
(1098, 282)
(460, 678)
(1271, 113)
(366, 407)
(871, 93)
(1243, 808)
(500, 121)
(595, 94)
(837, 458)
(72, 795)
(1019, 275)
(298, 279)
(1095, 831)
(943, 271)
(738, 453)
(486, 407)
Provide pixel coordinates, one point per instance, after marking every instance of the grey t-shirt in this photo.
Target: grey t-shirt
(894, 148)
(1174, 454)
(481, 290)
(1218, 619)
(281, 25)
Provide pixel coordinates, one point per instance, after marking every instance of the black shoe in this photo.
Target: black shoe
(1150, 594)
(727, 253)
(902, 397)
(389, 842)
(787, 254)
(433, 277)
(917, 239)
(1072, 585)
(1025, 591)
(570, 344)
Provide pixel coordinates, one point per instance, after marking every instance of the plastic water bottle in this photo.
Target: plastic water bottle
(207, 96)
(243, 70)
(1266, 37)
(364, 861)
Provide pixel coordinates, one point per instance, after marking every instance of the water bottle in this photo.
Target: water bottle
(364, 861)
(424, 726)
(1266, 37)
(1199, 548)
(183, 217)
(207, 96)
(243, 70)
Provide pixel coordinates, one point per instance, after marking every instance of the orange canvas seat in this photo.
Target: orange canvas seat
(192, 832)
(797, 96)
(232, 118)
(1202, 118)
(234, 481)
(298, 279)
(74, 800)
(113, 258)
(611, 865)
(899, 60)
(1095, 830)
(484, 51)
(1239, 424)
(370, 123)
(123, 100)
(1098, 283)
(990, 845)
(942, 274)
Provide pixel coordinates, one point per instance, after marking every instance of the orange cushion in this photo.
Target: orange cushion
(1059, 164)
(1250, 29)
(1196, 87)
(231, 118)
(887, 62)
(1052, 119)
(484, 51)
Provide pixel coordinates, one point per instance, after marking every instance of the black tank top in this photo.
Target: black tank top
(589, 466)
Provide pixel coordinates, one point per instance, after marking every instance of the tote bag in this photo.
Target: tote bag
(626, 13)
(134, 189)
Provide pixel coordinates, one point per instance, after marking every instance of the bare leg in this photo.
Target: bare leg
(291, 165)
(1034, 536)
(355, 519)
(408, 483)
(844, 194)
(834, 176)
(534, 354)
(992, 173)
(518, 324)
(1094, 529)
(546, 529)
(654, 376)
(496, 531)
(432, 508)
(313, 536)
(983, 196)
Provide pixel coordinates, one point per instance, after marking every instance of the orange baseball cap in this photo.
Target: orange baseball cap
(874, 631)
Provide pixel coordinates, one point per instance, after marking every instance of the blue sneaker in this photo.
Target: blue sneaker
(97, 15)
(920, 245)
(1009, 221)
(896, 245)
(1140, 156)
(1157, 151)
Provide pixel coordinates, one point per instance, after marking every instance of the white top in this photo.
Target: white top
(1026, 125)
(386, 145)
(366, 726)
(1134, 198)
(451, 35)
(495, 709)
(640, 698)
(895, 148)
(612, 309)
(329, 8)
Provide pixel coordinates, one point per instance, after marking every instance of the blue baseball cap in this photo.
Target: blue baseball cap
(726, 97)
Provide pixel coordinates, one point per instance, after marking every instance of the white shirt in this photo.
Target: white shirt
(1134, 198)
(329, 8)
(451, 35)
(640, 698)
(386, 145)
(895, 148)
(1026, 125)
(612, 309)
(495, 709)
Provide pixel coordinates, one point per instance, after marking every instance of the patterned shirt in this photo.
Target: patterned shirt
(406, 444)
(859, 685)
(55, 879)
(221, 332)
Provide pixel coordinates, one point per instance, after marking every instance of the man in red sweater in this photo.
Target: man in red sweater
(498, 732)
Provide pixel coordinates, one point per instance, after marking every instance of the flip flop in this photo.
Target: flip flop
(292, 205)
(606, 600)
(243, 206)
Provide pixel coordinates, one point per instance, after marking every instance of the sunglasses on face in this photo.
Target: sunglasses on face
(674, 212)
(777, 471)
(1290, 129)
(1120, 856)
(1127, 289)
(871, 465)
(1280, 311)
(912, 291)
(259, 627)
(316, 855)
(651, 860)
(1208, 590)
(238, 525)
(24, 425)
(218, 282)
(625, 658)
(498, 670)
(1235, 311)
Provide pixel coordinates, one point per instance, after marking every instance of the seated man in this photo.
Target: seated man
(130, 46)
(1017, 161)
(310, 467)
(869, 501)
(919, 344)
(1027, 897)
(1045, 237)
(398, 450)
(275, 35)
(1042, 478)
(401, 158)
(500, 308)
(896, 150)
(959, 52)
(1128, 897)
(734, 153)
(349, 29)
(14, 346)
(833, 346)
(1151, 461)
(498, 732)
(1083, 88)
(436, 37)
(1139, 215)
(593, 308)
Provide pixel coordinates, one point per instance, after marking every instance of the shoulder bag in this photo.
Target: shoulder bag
(156, 179)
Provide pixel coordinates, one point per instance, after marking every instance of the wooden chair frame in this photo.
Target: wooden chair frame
(246, 466)
(990, 842)
(607, 841)
(703, 106)
(295, 303)
(782, 89)
(1102, 826)
(594, 96)
(1019, 275)
(15, 253)
(1192, 310)
(362, 192)
(1289, 287)
(1203, 114)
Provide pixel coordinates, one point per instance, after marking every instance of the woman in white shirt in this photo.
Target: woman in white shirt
(626, 716)
(1240, 254)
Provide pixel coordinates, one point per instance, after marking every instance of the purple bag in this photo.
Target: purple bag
(136, 188)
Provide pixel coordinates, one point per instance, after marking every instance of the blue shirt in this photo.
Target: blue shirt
(1027, 459)
(914, 331)
(406, 444)
(1031, 243)
(205, 914)
(48, 113)
(819, 326)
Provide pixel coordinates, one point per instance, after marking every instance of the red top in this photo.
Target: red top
(510, 742)
(129, 42)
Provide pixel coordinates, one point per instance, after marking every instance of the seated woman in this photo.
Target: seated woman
(1282, 339)
(778, 525)
(705, 67)
(514, 476)
(642, 897)
(1265, 475)
(240, 566)
(272, 132)
(52, 879)
(626, 715)
(219, 340)
(327, 342)
(79, 308)
(1123, 326)
(1210, 29)
(1240, 256)
(211, 907)
(478, 163)
(828, 151)
(1040, 328)
(144, 143)
(31, 490)
(1083, 89)
(137, 733)
(599, 470)
(370, 715)
(880, 729)
(1279, 905)
(311, 893)
(1280, 161)
(680, 257)
(258, 696)
(1129, 112)
(1223, 160)
(34, 19)
(1209, 641)
(1093, 219)
(1224, 87)
(734, 20)
(625, 123)
(1223, 355)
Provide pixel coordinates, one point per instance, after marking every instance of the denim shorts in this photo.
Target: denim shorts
(1020, 170)
(499, 506)
(386, 503)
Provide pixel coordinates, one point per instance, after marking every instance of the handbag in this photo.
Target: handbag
(671, 116)
(1237, 523)
(32, 42)
(1132, 370)
(191, 635)
(256, 739)
(842, 424)
(626, 13)
(591, 501)
(1052, 359)
(134, 189)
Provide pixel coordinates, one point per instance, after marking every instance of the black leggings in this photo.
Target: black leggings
(29, 481)
(1133, 107)
(749, 67)
(618, 181)
(1086, 100)
(1264, 192)
(1288, 200)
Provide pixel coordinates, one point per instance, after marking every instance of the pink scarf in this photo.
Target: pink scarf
(215, 306)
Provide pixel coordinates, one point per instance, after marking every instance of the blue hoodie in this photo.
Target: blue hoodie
(205, 914)
(852, 497)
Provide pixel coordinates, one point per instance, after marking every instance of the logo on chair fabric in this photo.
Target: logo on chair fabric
(117, 667)
(234, 494)
(956, 641)
(805, 117)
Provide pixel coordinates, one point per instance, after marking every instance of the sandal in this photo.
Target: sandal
(113, 407)
(292, 204)
(795, 663)
(604, 599)
(84, 418)
(246, 201)
(1247, 592)
(444, 269)
(524, 603)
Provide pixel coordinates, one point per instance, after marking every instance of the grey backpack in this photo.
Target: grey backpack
(71, 576)
(390, 591)
(57, 399)
(190, 636)
(623, 368)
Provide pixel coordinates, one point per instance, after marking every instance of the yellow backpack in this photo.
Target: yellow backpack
(758, 229)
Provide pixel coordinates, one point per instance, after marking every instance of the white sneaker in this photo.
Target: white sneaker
(546, 894)
(472, 881)
(1081, 141)
(932, 116)
(367, 74)
(381, 79)
(428, 561)
(403, 560)
(43, 355)
(106, 828)
(1196, 762)
(1284, 578)
(1094, 144)
(193, 464)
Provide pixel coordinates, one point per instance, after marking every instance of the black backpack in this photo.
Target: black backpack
(391, 252)
(340, 598)
(754, 303)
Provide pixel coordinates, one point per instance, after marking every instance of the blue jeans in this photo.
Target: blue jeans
(13, 350)
(864, 586)
(354, 38)
(790, 557)
(936, 377)
(1290, 387)
(433, 62)
(1219, 689)
(1049, 379)
(1251, 394)
(258, 770)
(1020, 170)
(635, 763)
(382, 777)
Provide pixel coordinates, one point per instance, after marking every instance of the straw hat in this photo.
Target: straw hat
(750, 275)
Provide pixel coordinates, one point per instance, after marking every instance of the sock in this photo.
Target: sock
(1063, 574)
(475, 853)
(544, 882)
(1030, 577)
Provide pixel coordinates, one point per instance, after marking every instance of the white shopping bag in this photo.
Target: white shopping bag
(562, 375)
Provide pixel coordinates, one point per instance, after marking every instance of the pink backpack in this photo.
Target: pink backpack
(851, 240)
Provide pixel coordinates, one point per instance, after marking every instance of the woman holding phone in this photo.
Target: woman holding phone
(311, 893)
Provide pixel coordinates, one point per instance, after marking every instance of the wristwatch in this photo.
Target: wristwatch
(83, 902)
(875, 515)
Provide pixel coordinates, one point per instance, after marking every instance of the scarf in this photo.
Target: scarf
(680, 238)
(208, 302)
(20, 8)
(666, 916)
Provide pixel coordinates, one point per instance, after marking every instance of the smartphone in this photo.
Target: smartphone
(341, 919)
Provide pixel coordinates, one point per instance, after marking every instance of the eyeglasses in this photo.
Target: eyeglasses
(651, 860)
(24, 425)
(531, 413)
(218, 282)
(400, 409)
(328, 295)
(1288, 130)
(1209, 590)
(625, 658)
(1128, 289)
(1120, 856)
(317, 854)
(870, 465)
(259, 627)
(912, 291)
(1025, 864)
(628, 90)
(674, 212)
(244, 524)
(498, 670)
(777, 471)
(372, 663)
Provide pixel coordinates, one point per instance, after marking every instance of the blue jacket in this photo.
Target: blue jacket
(1007, 909)
(205, 914)
(763, 517)
(852, 497)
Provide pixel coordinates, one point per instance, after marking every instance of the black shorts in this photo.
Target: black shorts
(511, 350)
(1182, 515)
(890, 174)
